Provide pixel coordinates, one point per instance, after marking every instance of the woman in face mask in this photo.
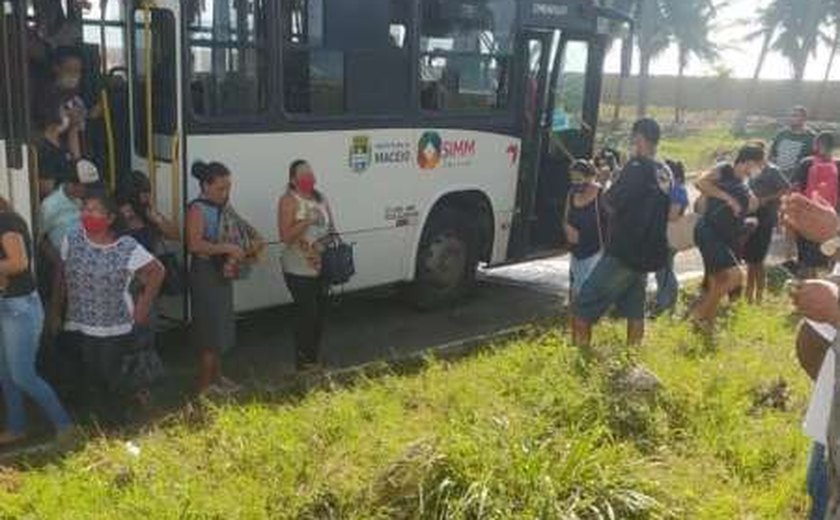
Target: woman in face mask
(584, 223)
(304, 223)
(213, 268)
(720, 229)
(99, 265)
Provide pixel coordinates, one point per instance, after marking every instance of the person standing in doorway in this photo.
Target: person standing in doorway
(304, 221)
(638, 204)
(213, 328)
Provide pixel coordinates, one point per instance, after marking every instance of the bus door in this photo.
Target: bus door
(562, 130)
(156, 122)
(571, 117)
(14, 172)
(535, 53)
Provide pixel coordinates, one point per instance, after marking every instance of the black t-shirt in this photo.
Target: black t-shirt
(24, 283)
(725, 222)
(642, 189)
(54, 163)
(586, 220)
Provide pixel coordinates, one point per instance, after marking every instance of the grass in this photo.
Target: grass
(701, 140)
(525, 429)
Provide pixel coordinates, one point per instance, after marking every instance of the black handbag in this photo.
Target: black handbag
(337, 263)
(141, 364)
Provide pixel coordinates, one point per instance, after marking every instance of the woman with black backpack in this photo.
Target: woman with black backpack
(719, 231)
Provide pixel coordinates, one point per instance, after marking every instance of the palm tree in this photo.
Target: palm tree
(693, 21)
(834, 41)
(799, 31)
(653, 36)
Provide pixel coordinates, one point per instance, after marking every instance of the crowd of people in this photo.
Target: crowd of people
(734, 218)
(79, 333)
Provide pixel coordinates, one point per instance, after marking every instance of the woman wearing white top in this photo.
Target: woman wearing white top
(304, 223)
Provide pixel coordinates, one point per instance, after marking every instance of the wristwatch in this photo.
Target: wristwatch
(830, 246)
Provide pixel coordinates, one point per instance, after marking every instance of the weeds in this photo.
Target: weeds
(530, 430)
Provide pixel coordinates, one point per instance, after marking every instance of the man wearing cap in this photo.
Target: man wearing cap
(60, 212)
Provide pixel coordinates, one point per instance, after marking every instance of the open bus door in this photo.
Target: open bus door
(562, 46)
(15, 183)
(156, 121)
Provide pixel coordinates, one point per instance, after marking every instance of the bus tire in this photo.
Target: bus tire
(447, 260)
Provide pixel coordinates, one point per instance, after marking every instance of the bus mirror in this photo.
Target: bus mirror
(626, 56)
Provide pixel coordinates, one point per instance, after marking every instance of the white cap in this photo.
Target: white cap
(87, 172)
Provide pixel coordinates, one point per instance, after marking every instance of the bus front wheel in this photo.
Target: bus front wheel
(447, 259)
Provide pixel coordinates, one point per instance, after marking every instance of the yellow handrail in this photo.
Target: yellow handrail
(107, 116)
(150, 129)
(176, 180)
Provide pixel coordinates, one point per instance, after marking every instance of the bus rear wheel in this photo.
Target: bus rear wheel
(447, 260)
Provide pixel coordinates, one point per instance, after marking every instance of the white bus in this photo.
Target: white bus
(440, 130)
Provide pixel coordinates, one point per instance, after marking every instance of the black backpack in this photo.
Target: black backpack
(652, 237)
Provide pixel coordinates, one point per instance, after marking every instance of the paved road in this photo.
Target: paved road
(381, 326)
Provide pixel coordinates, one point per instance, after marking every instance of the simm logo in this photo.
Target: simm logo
(433, 151)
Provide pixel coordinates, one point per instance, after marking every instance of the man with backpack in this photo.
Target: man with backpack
(817, 179)
(638, 204)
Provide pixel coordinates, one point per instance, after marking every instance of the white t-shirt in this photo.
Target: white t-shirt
(105, 310)
(822, 397)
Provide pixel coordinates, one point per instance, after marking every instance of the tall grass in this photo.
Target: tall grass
(526, 430)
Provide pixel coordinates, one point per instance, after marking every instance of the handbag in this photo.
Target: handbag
(681, 232)
(337, 263)
(141, 366)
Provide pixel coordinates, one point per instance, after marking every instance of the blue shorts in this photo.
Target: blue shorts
(612, 284)
(579, 271)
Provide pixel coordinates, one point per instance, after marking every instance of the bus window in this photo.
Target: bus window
(228, 61)
(106, 30)
(571, 87)
(337, 62)
(163, 66)
(465, 54)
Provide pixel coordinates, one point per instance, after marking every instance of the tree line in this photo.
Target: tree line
(792, 28)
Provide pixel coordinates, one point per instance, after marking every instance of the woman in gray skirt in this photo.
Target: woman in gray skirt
(213, 268)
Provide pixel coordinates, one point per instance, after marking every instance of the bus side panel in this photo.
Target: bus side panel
(379, 193)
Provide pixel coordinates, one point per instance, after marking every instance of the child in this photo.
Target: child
(584, 223)
(817, 178)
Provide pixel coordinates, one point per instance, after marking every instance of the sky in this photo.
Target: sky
(737, 55)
